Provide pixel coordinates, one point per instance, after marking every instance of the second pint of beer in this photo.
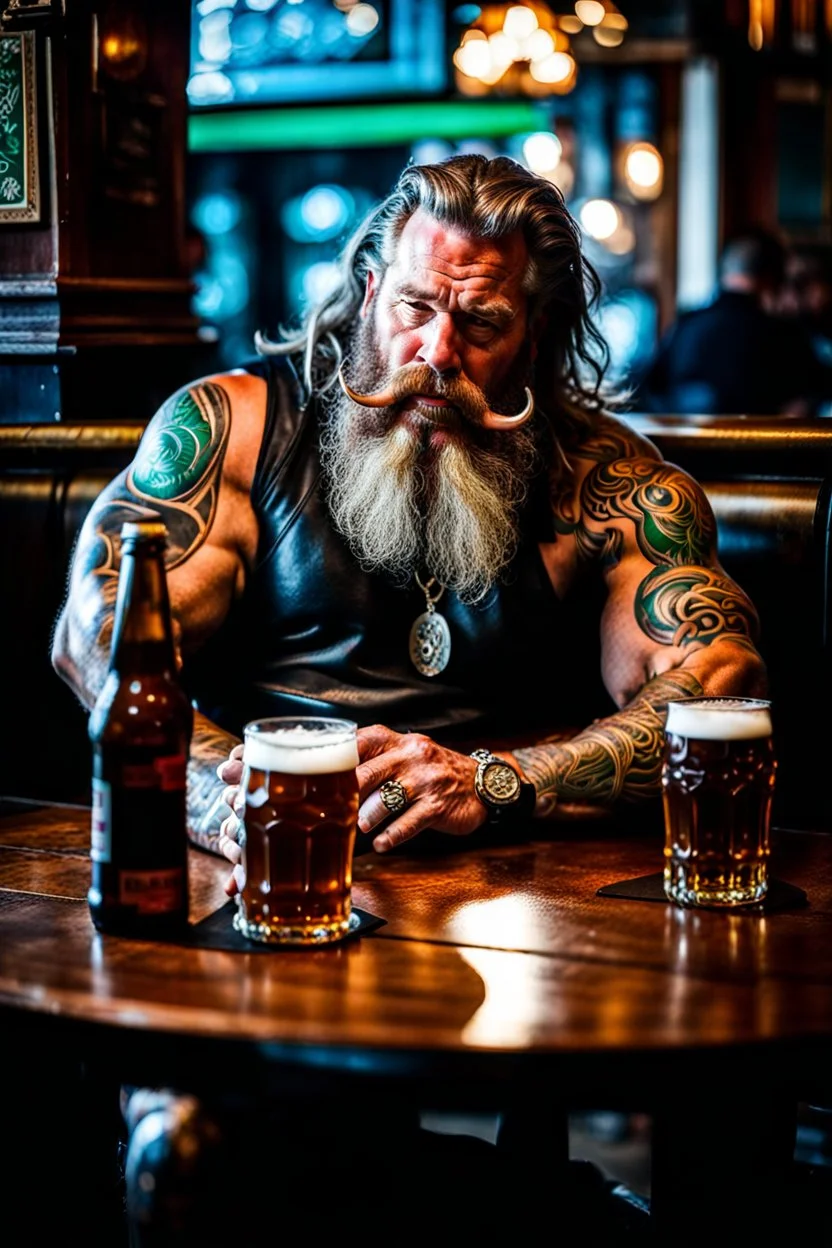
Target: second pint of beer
(299, 827)
(717, 788)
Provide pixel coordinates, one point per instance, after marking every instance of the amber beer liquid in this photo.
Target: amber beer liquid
(718, 780)
(300, 823)
(140, 729)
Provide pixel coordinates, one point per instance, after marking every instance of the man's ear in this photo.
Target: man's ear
(368, 293)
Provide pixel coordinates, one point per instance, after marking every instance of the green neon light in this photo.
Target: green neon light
(370, 125)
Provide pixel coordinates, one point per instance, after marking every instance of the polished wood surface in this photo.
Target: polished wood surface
(502, 950)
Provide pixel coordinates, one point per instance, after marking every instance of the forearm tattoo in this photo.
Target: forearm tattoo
(616, 757)
(210, 746)
(174, 478)
(683, 601)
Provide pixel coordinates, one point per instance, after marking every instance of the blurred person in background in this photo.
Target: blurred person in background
(807, 297)
(738, 355)
(431, 448)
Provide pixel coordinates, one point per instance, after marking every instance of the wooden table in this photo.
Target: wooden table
(501, 980)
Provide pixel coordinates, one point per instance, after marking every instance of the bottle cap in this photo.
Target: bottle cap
(135, 529)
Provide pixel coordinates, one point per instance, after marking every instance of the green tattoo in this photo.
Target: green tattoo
(677, 606)
(177, 468)
(683, 599)
(149, 489)
(672, 517)
(173, 456)
(186, 510)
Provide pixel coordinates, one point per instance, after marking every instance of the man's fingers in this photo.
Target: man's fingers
(230, 770)
(372, 812)
(236, 881)
(228, 839)
(375, 740)
(402, 829)
(235, 799)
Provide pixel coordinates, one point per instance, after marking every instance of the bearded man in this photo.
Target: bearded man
(416, 511)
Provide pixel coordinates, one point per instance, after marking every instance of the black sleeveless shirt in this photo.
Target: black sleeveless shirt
(313, 634)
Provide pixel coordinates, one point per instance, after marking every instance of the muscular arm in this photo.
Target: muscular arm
(674, 625)
(192, 470)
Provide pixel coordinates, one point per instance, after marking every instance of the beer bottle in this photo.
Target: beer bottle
(140, 730)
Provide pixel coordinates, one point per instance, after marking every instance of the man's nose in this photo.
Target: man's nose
(441, 346)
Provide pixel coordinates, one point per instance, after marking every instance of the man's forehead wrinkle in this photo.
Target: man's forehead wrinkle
(483, 301)
(482, 267)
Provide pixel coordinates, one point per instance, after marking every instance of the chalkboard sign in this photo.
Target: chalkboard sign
(19, 170)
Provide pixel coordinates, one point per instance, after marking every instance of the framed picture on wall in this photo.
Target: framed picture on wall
(20, 190)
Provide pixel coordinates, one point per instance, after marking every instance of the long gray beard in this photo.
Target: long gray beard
(456, 520)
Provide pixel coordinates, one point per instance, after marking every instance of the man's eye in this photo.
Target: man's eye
(480, 326)
(413, 310)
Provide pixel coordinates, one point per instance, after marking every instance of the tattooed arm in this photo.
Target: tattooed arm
(674, 625)
(193, 470)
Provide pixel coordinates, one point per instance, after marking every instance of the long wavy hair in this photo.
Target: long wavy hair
(484, 199)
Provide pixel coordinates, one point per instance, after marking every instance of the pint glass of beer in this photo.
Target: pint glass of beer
(299, 826)
(717, 788)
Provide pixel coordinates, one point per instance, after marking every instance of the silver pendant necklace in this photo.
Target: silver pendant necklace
(430, 636)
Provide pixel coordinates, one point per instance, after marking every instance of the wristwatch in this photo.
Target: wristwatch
(498, 785)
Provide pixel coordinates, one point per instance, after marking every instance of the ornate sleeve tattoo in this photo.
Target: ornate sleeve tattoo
(616, 757)
(682, 599)
(174, 477)
(210, 746)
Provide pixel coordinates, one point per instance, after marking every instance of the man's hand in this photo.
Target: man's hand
(439, 784)
(231, 773)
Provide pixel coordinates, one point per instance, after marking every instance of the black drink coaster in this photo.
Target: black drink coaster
(780, 895)
(217, 932)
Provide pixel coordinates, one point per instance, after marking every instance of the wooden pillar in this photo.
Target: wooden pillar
(95, 291)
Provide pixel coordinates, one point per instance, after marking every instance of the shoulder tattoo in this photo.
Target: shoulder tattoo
(673, 519)
(606, 444)
(174, 477)
(671, 515)
(178, 464)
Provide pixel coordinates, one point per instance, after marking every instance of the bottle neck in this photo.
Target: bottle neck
(142, 631)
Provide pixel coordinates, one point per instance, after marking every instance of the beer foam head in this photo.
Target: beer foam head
(301, 747)
(719, 719)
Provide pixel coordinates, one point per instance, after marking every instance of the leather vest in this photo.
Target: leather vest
(314, 634)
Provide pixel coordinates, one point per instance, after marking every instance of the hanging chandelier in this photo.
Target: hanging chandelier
(527, 49)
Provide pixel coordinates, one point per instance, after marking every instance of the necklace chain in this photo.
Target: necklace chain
(430, 637)
(430, 598)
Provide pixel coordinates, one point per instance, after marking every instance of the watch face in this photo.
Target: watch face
(501, 782)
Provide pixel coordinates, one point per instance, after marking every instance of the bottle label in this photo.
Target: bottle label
(152, 892)
(101, 848)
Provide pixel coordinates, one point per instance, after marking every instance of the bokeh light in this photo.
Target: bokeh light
(643, 170)
(542, 151)
(600, 218)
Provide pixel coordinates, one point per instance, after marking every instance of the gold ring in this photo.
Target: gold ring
(394, 796)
